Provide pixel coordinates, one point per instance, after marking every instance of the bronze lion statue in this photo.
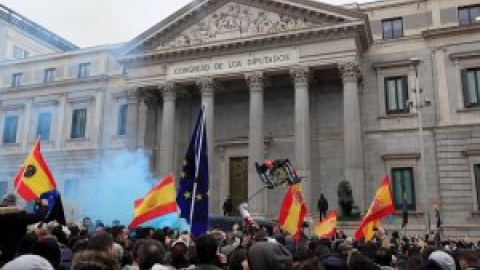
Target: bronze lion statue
(345, 198)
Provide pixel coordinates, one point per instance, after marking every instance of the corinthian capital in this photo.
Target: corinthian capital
(151, 100)
(255, 80)
(133, 95)
(206, 85)
(300, 75)
(168, 90)
(350, 71)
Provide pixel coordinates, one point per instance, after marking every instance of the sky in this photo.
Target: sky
(89, 23)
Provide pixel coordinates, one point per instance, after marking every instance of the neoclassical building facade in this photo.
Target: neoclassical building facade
(332, 88)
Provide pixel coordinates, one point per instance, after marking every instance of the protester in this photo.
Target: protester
(322, 206)
(228, 207)
(13, 226)
(467, 259)
(49, 249)
(151, 255)
(98, 253)
(28, 262)
(179, 255)
(268, 255)
(255, 248)
(206, 249)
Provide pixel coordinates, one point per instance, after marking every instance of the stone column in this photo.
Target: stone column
(61, 120)
(255, 82)
(300, 75)
(167, 138)
(207, 89)
(27, 120)
(133, 100)
(352, 133)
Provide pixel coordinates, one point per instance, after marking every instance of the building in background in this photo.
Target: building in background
(329, 87)
(21, 38)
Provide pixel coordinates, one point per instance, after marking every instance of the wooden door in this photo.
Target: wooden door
(238, 181)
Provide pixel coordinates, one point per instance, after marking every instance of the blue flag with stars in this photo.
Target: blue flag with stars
(195, 170)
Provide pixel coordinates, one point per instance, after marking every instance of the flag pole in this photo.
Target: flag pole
(195, 183)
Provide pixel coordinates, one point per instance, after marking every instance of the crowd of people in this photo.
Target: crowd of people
(27, 243)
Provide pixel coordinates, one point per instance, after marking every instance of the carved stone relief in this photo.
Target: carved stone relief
(235, 20)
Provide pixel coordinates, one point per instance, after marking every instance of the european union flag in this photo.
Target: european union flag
(195, 171)
(55, 207)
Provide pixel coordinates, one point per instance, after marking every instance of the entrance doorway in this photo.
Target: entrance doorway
(238, 181)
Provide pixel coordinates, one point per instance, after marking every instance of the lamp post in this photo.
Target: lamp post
(419, 104)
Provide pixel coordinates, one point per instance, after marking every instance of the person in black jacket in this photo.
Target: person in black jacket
(322, 207)
(13, 226)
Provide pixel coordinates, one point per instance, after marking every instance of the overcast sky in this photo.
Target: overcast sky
(96, 22)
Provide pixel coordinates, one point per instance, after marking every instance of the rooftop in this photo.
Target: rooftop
(13, 18)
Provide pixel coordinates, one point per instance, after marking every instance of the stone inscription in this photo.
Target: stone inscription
(232, 64)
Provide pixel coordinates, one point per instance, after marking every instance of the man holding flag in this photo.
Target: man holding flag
(192, 196)
(35, 181)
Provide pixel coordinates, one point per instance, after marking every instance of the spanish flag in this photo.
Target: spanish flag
(293, 211)
(328, 227)
(158, 202)
(34, 177)
(381, 206)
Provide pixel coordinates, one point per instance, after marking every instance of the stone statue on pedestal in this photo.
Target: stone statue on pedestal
(346, 202)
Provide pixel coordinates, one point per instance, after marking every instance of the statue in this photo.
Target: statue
(345, 198)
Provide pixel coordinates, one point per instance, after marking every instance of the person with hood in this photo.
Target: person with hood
(269, 255)
(28, 262)
(13, 226)
(439, 260)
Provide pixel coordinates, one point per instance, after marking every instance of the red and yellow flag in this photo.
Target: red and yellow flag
(158, 202)
(381, 206)
(328, 226)
(293, 211)
(34, 177)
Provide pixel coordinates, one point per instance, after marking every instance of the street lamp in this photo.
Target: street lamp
(419, 104)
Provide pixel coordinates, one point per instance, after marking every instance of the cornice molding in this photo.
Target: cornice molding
(391, 64)
(462, 55)
(82, 99)
(301, 36)
(471, 152)
(59, 83)
(449, 31)
(12, 107)
(400, 156)
(190, 14)
(46, 103)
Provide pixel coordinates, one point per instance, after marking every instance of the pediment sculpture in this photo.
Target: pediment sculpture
(236, 20)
